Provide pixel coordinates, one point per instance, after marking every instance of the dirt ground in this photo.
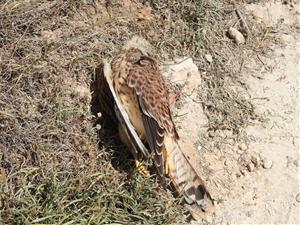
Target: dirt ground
(256, 181)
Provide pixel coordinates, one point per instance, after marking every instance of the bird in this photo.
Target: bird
(146, 125)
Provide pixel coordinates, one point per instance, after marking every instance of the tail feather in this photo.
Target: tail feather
(185, 178)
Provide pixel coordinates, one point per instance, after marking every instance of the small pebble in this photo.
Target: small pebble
(209, 58)
(261, 15)
(99, 114)
(242, 146)
(267, 163)
(255, 160)
(298, 197)
(236, 35)
(297, 162)
(98, 127)
(250, 167)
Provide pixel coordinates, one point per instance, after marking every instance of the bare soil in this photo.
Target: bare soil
(255, 180)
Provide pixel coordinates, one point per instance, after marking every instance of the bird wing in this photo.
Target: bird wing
(145, 78)
(122, 114)
(141, 88)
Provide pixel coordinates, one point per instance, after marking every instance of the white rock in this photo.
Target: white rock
(236, 35)
(267, 163)
(209, 58)
(82, 91)
(255, 160)
(261, 15)
(184, 72)
(250, 167)
(242, 146)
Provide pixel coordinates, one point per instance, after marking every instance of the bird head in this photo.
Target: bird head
(141, 46)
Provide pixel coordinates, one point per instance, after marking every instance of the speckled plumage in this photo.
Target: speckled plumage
(141, 89)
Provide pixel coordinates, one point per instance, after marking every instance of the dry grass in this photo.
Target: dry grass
(55, 166)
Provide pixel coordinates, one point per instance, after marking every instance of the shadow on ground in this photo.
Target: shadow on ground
(102, 109)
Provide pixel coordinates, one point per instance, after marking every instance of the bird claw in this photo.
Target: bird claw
(141, 168)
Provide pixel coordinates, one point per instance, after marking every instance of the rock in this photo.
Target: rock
(82, 91)
(236, 36)
(298, 197)
(184, 72)
(199, 147)
(209, 58)
(243, 146)
(250, 167)
(267, 163)
(261, 15)
(297, 162)
(145, 13)
(255, 160)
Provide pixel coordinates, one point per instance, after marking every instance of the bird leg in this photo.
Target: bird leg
(141, 168)
(139, 164)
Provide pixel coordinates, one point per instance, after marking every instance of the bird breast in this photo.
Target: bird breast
(131, 105)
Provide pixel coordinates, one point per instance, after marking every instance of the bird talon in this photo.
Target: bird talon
(141, 168)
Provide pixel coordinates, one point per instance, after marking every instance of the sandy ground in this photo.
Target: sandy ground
(257, 181)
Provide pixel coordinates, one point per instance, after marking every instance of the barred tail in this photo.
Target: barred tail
(185, 178)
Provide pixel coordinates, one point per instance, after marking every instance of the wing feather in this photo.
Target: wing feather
(145, 78)
(155, 137)
(122, 114)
